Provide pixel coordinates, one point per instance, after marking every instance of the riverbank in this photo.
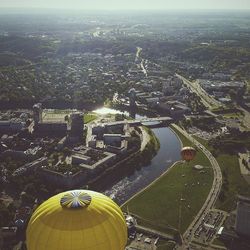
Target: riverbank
(171, 201)
(153, 143)
(143, 176)
(145, 138)
(132, 162)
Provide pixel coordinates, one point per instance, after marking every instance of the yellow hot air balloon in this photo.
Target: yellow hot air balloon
(77, 220)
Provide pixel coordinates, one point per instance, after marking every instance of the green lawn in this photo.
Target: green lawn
(233, 115)
(89, 117)
(234, 183)
(160, 206)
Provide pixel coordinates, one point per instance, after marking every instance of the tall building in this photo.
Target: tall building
(37, 113)
(77, 124)
(132, 98)
(243, 216)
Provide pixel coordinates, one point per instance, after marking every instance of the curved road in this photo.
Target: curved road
(212, 196)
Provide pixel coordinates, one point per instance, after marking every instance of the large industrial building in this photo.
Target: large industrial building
(11, 126)
(132, 98)
(77, 124)
(243, 216)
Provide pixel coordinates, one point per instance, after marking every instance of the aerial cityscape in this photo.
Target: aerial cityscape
(124, 128)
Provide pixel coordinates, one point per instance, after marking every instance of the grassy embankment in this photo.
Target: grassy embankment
(248, 85)
(127, 166)
(160, 206)
(153, 140)
(234, 183)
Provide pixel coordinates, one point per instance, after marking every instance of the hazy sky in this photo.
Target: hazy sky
(128, 4)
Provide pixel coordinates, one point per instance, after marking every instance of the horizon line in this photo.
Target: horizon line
(119, 9)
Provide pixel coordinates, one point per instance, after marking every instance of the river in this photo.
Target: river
(168, 153)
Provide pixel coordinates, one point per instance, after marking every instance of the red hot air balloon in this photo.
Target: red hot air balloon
(188, 153)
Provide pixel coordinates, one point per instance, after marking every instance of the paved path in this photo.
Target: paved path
(212, 196)
(154, 232)
(145, 138)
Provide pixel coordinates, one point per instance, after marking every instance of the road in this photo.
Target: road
(143, 67)
(140, 61)
(212, 196)
(195, 87)
(138, 53)
(150, 231)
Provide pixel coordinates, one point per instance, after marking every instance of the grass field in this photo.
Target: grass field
(233, 115)
(55, 115)
(59, 116)
(89, 117)
(234, 183)
(160, 206)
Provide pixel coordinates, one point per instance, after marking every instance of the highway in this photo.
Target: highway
(195, 87)
(212, 196)
(140, 61)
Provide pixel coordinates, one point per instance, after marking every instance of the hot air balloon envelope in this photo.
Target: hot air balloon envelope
(188, 153)
(77, 220)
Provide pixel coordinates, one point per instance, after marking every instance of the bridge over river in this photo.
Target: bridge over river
(149, 122)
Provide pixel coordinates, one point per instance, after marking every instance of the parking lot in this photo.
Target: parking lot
(209, 226)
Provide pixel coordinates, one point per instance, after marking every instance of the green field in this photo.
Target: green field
(89, 117)
(55, 115)
(160, 206)
(233, 115)
(234, 183)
